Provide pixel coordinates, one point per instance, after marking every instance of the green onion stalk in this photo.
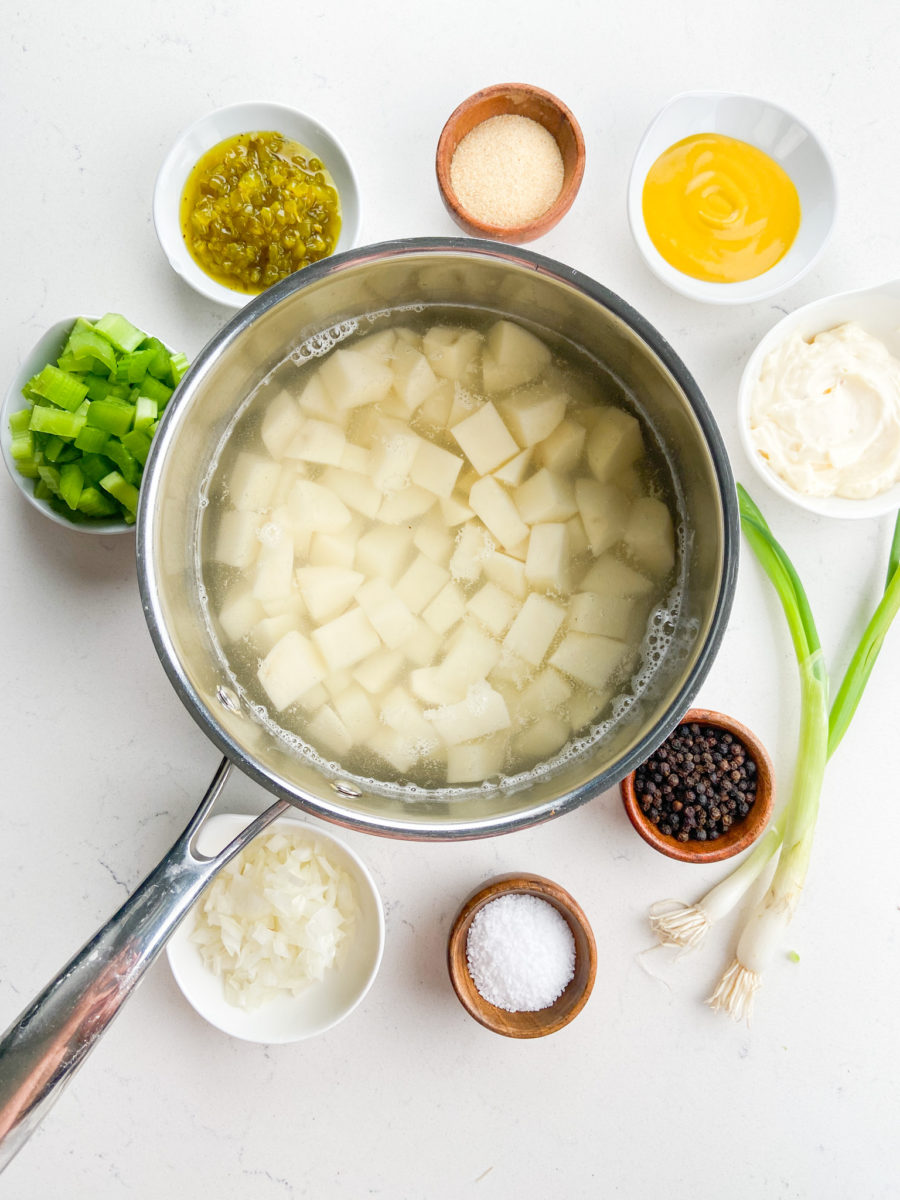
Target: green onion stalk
(791, 836)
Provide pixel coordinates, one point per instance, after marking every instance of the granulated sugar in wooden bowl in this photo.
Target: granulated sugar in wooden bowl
(510, 162)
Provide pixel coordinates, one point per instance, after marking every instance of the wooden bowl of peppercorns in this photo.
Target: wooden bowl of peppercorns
(706, 793)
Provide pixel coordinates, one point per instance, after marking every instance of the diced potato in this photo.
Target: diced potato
(494, 608)
(471, 656)
(292, 604)
(473, 762)
(545, 693)
(318, 442)
(252, 482)
(314, 401)
(408, 337)
(585, 707)
(611, 577)
(389, 615)
(482, 712)
(326, 729)
(355, 709)
(281, 422)
(239, 614)
(455, 511)
(452, 351)
(398, 750)
(604, 512)
(274, 575)
(290, 473)
(511, 669)
(496, 509)
(589, 658)
(507, 572)
(436, 408)
(392, 455)
(545, 497)
(352, 379)
(236, 542)
(379, 670)
(404, 506)
(614, 443)
(445, 610)
(271, 630)
(631, 483)
(327, 590)
(379, 346)
(578, 541)
(315, 507)
(562, 450)
(650, 536)
(485, 440)
(290, 668)
(424, 646)
(547, 564)
(622, 617)
(313, 699)
(548, 734)
(421, 582)
(532, 415)
(400, 711)
(534, 628)
(513, 356)
(383, 552)
(473, 546)
(346, 640)
(429, 686)
(356, 459)
(435, 469)
(519, 551)
(433, 538)
(332, 549)
(513, 472)
(414, 379)
(337, 682)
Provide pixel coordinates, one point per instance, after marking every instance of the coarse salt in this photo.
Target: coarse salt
(521, 953)
(507, 171)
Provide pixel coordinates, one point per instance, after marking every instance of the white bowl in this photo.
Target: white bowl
(783, 137)
(323, 1004)
(877, 310)
(194, 141)
(46, 350)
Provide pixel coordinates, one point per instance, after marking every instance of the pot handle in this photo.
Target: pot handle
(44, 1048)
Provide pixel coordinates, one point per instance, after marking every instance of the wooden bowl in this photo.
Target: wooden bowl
(518, 99)
(743, 833)
(568, 1005)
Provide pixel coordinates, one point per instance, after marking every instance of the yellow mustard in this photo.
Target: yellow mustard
(719, 209)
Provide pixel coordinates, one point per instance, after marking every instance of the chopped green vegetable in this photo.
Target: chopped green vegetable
(86, 434)
(793, 956)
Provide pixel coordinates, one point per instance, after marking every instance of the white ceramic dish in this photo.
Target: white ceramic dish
(194, 141)
(782, 136)
(46, 349)
(323, 1004)
(877, 310)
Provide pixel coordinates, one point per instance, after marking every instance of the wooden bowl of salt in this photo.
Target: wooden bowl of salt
(510, 161)
(503, 972)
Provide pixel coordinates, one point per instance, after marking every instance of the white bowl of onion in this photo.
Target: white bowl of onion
(216, 984)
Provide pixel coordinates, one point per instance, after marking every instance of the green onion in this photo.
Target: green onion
(791, 835)
(87, 432)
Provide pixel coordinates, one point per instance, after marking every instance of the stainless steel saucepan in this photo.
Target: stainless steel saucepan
(52, 1037)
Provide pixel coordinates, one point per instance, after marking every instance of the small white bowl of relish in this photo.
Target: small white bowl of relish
(311, 165)
(731, 198)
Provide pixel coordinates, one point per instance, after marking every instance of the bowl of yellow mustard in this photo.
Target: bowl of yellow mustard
(250, 194)
(731, 198)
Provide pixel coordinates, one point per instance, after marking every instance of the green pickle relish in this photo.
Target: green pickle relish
(257, 207)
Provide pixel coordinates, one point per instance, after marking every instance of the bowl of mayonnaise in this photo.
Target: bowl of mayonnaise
(819, 404)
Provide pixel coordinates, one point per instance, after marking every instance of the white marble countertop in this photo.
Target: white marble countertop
(648, 1092)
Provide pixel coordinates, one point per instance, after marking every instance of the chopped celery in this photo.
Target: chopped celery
(56, 420)
(87, 433)
(120, 332)
(59, 387)
(112, 415)
(71, 484)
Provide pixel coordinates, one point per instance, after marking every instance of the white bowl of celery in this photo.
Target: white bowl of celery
(94, 392)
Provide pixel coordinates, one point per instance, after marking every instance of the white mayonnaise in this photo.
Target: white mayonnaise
(825, 413)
